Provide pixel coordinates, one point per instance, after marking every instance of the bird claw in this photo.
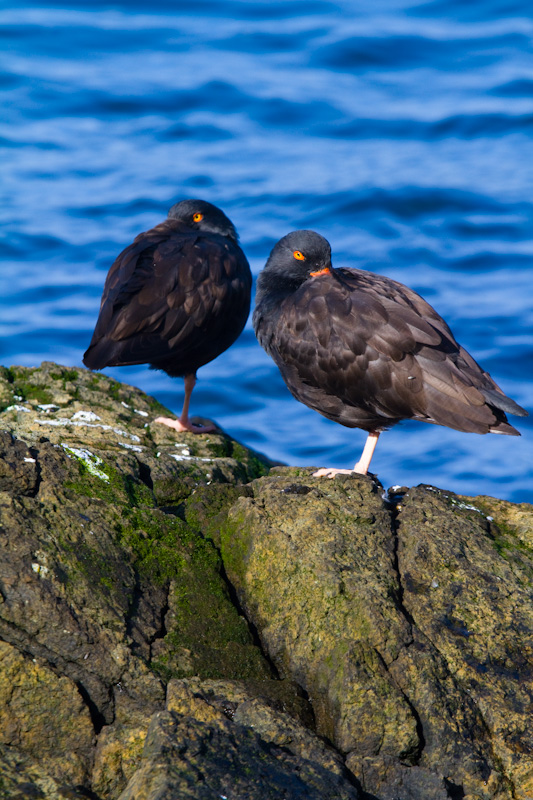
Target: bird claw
(188, 426)
(330, 472)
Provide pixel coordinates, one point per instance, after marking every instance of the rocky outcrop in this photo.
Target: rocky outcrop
(409, 628)
(177, 622)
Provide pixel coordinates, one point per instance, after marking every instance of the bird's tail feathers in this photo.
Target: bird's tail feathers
(504, 403)
(105, 353)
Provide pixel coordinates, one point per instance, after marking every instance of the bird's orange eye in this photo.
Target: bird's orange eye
(299, 255)
(198, 217)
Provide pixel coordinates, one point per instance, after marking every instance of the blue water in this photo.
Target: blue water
(401, 131)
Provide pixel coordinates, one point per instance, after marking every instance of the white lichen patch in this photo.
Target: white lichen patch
(135, 410)
(91, 461)
(86, 416)
(16, 407)
(184, 449)
(135, 447)
(119, 432)
(48, 408)
(180, 457)
(63, 422)
(465, 506)
(456, 503)
(29, 460)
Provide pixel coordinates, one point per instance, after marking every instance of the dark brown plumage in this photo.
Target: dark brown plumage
(174, 299)
(366, 351)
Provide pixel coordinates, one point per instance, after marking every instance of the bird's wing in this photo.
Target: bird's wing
(377, 345)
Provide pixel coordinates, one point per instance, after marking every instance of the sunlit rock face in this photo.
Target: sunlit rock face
(407, 623)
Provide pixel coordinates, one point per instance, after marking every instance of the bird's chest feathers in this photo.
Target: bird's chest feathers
(318, 307)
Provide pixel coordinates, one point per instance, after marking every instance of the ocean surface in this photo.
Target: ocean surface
(401, 131)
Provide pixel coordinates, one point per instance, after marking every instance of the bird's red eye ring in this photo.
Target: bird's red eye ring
(299, 255)
(198, 217)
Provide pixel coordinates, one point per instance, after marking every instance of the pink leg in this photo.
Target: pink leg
(362, 465)
(184, 423)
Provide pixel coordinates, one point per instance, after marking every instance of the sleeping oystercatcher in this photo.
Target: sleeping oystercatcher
(366, 351)
(175, 299)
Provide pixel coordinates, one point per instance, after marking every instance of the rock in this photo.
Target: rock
(43, 716)
(22, 778)
(119, 749)
(467, 584)
(410, 630)
(218, 739)
(104, 419)
(98, 581)
(176, 622)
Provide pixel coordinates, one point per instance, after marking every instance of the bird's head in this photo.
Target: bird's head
(203, 216)
(300, 255)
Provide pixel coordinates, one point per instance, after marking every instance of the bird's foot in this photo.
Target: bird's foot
(330, 472)
(178, 425)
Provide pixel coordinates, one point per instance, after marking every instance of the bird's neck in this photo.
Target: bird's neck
(273, 287)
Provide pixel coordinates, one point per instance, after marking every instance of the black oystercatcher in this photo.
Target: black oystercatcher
(175, 299)
(366, 351)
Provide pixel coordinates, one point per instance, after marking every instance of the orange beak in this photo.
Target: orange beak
(325, 271)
